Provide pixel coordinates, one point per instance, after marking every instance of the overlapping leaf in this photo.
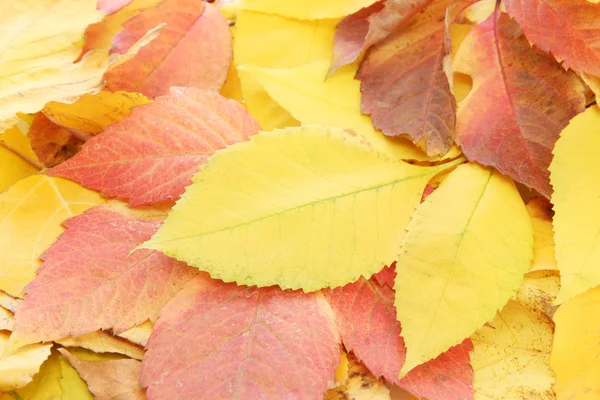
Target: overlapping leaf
(52, 144)
(300, 208)
(193, 49)
(89, 281)
(569, 29)
(32, 211)
(521, 100)
(17, 159)
(18, 368)
(248, 343)
(467, 248)
(151, 155)
(576, 200)
(404, 85)
(367, 323)
(360, 384)
(307, 9)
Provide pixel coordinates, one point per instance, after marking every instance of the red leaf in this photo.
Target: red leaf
(387, 275)
(520, 101)
(152, 154)
(404, 86)
(193, 49)
(89, 281)
(570, 29)
(111, 6)
(216, 340)
(361, 30)
(367, 322)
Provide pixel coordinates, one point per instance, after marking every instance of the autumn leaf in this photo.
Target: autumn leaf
(111, 6)
(110, 287)
(361, 30)
(404, 86)
(151, 155)
(367, 322)
(521, 100)
(109, 379)
(194, 49)
(483, 245)
(241, 342)
(576, 203)
(307, 9)
(575, 350)
(32, 210)
(360, 384)
(541, 213)
(94, 112)
(17, 159)
(578, 21)
(52, 143)
(18, 369)
(139, 334)
(271, 212)
(103, 342)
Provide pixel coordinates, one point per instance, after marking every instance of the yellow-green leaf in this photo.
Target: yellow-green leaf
(31, 214)
(302, 208)
(464, 256)
(575, 356)
(576, 198)
(307, 9)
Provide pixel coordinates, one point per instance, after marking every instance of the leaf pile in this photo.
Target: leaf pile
(258, 199)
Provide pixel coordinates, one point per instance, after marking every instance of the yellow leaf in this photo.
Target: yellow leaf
(93, 112)
(18, 368)
(341, 372)
(576, 200)
(540, 211)
(31, 213)
(539, 290)
(138, 334)
(360, 384)
(71, 384)
(263, 40)
(37, 62)
(510, 356)
(302, 208)
(310, 98)
(232, 88)
(307, 9)
(6, 319)
(464, 256)
(17, 160)
(103, 342)
(9, 302)
(575, 354)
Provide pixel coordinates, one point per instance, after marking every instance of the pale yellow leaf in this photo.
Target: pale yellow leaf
(138, 334)
(539, 290)
(575, 354)
(6, 319)
(18, 368)
(306, 9)
(9, 302)
(103, 342)
(17, 160)
(312, 99)
(302, 208)
(576, 200)
(71, 384)
(511, 354)
(31, 214)
(540, 211)
(359, 384)
(93, 112)
(464, 256)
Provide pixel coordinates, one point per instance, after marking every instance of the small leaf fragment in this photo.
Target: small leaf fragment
(18, 368)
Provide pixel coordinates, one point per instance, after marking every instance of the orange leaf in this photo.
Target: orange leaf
(90, 281)
(194, 49)
(520, 101)
(51, 143)
(405, 88)
(241, 342)
(569, 29)
(367, 322)
(113, 379)
(151, 155)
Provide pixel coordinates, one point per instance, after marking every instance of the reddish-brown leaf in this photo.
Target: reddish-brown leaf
(194, 49)
(520, 101)
(216, 340)
(90, 281)
(404, 86)
(152, 154)
(367, 322)
(569, 29)
(361, 30)
(51, 143)
(109, 380)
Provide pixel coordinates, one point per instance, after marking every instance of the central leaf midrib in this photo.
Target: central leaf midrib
(390, 183)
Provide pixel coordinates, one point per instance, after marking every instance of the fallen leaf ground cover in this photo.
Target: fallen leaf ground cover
(259, 199)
